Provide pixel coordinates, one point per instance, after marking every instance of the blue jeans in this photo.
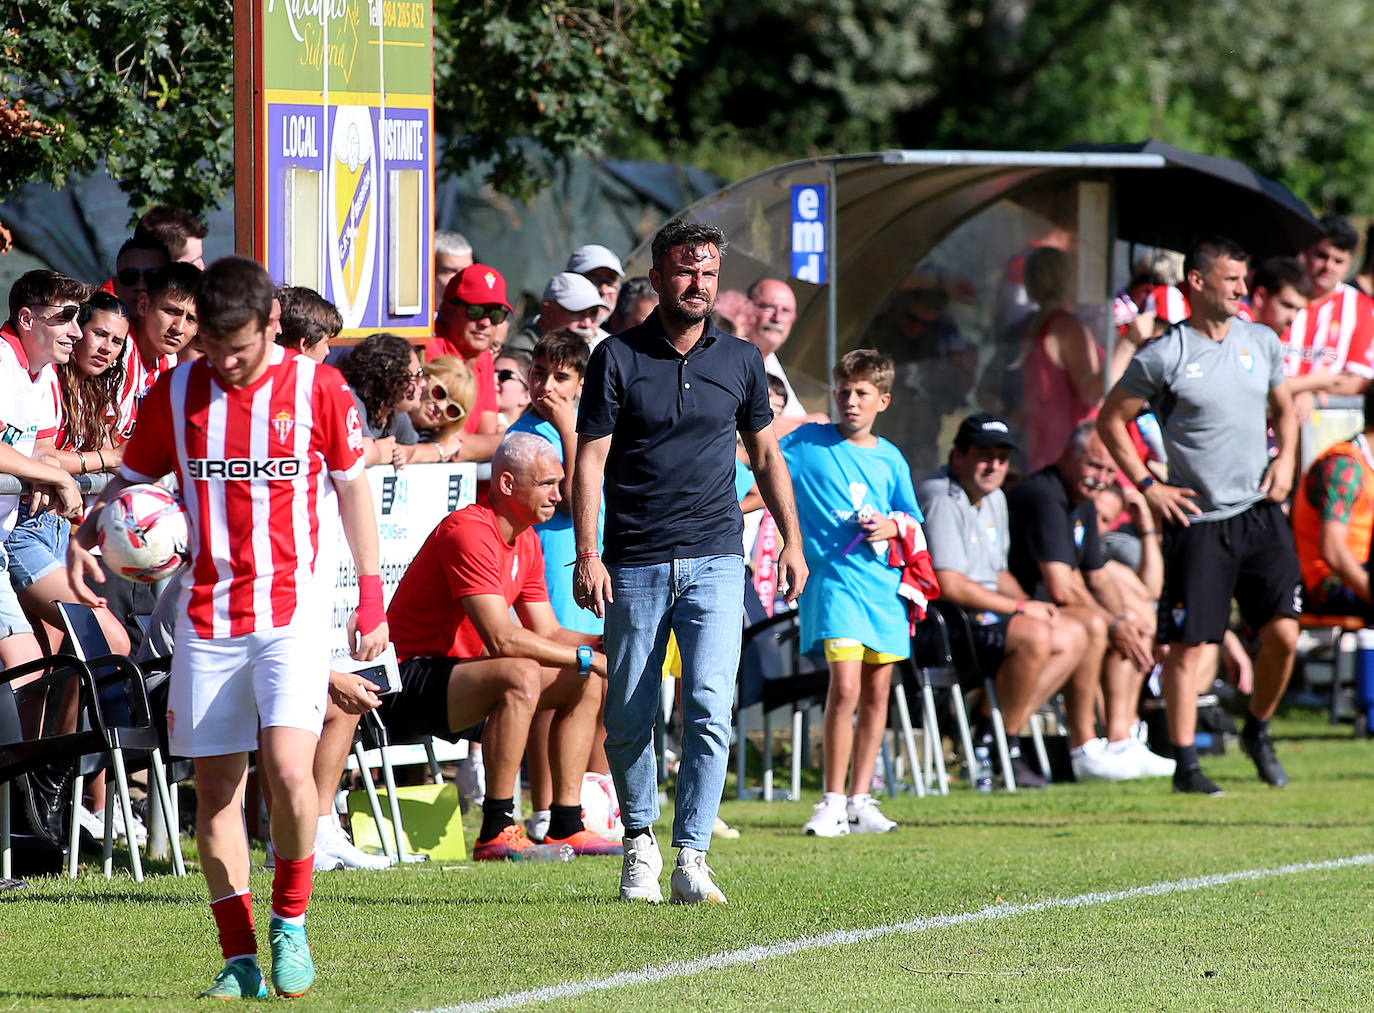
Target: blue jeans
(702, 601)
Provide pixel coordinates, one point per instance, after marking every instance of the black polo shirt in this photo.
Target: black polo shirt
(1047, 528)
(672, 418)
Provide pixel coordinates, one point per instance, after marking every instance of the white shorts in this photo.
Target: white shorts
(222, 690)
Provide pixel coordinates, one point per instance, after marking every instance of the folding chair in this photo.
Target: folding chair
(956, 665)
(774, 674)
(129, 724)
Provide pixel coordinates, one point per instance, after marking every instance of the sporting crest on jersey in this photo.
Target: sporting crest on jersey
(1247, 360)
(282, 424)
(354, 424)
(352, 211)
(1078, 534)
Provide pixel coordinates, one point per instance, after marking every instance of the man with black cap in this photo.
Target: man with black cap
(1034, 648)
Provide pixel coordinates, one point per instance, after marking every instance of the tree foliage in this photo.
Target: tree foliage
(145, 87)
(563, 75)
(1281, 84)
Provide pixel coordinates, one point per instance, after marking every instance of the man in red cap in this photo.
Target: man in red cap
(473, 307)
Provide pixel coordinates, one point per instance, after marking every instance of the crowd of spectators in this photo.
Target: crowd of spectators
(1071, 571)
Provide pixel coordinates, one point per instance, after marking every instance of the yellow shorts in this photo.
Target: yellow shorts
(846, 649)
(672, 659)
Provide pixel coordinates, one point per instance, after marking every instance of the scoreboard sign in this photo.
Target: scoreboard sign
(334, 167)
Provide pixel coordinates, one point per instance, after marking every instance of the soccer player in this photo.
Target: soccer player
(262, 442)
(854, 495)
(1213, 380)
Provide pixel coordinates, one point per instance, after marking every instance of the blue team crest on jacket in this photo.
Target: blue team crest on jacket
(1078, 534)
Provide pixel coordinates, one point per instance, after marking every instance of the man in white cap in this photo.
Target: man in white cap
(602, 268)
(570, 302)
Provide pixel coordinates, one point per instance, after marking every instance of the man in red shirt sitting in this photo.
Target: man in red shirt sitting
(469, 669)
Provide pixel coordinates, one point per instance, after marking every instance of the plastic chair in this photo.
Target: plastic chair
(954, 666)
(129, 724)
(774, 674)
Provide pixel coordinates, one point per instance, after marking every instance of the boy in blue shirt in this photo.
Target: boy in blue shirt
(852, 488)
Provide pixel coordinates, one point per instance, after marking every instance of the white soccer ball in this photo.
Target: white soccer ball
(600, 807)
(143, 534)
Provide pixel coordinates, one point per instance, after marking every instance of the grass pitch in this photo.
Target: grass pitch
(422, 937)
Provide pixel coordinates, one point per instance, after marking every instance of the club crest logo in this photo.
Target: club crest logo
(282, 424)
(352, 211)
(1247, 360)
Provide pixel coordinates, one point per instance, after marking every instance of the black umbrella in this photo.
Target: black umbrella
(1200, 194)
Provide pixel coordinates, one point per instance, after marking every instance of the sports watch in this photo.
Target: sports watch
(584, 660)
(1145, 483)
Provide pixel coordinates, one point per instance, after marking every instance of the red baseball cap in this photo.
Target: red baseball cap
(478, 284)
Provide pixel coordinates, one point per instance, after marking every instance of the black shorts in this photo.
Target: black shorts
(420, 707)
(1249, 557)
(989, 631)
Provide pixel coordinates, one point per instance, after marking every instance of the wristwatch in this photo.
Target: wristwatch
(1145, 483)
(584, 660)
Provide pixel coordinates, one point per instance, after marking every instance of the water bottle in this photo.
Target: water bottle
(545, 853)
(1364, 674)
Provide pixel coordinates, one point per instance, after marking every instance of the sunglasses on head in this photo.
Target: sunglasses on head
(65, 313)
(476, 311)
(452, 409)
(130, 275)
(502, 375)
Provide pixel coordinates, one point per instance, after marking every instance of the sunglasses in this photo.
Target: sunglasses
(476, 311)
(65, 313)
(502, 375)
(452, 409)
(130, 275)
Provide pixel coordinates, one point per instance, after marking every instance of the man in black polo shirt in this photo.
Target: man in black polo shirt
(1056, 554)
(661, 404)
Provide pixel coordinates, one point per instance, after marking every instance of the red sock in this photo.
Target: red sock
(234, 919)
(291, 885)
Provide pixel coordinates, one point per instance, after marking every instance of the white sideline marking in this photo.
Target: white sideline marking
(752, 954)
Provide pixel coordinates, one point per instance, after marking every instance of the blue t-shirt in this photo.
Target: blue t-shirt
(559, 542)
(848, 594)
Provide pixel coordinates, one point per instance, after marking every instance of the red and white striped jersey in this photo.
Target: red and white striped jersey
(1335, 332)
(1170, 304)
(138, 381)
(254, 466)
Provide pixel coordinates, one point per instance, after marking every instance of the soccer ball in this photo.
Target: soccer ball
(600, 807)
(143, 534)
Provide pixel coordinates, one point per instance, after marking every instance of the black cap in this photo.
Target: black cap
(984, 430)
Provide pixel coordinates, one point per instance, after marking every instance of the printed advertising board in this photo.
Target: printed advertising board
(334, 151)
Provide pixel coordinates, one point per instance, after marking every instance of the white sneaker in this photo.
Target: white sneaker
(1093, 761)
(92, 823)
(723, 830)
(140, 831)
(864, 816)
(537, 826)
(639, 872)
(1147, 762)
(828, 818)
(333, 842)
(324, 861)
(691, 880)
